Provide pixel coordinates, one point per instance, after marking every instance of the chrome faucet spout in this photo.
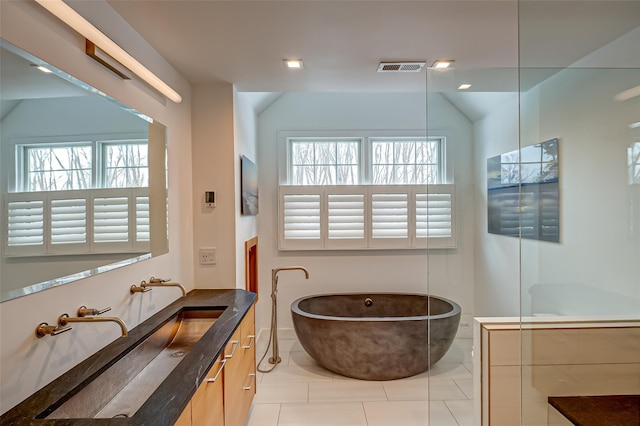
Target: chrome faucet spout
(65, 319)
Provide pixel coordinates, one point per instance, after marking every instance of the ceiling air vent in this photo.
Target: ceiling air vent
(401, 66)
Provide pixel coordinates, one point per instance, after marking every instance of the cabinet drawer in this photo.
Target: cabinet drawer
(239, 375)
(207, 403)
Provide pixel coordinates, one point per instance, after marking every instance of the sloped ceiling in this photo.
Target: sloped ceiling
(342, 42)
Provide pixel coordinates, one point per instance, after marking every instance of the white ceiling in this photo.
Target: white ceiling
(342, 42)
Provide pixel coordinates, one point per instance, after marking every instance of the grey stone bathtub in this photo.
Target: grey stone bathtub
(375, 336)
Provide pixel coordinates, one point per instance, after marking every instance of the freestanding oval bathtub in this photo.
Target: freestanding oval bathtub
(379, 336)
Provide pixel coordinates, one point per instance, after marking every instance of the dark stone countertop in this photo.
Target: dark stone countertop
(172, 396)
(607, 410)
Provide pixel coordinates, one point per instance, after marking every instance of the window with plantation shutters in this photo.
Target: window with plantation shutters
(366, 217)
(77, 222)
(364, 190)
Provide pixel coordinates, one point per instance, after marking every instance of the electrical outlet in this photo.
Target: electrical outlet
(208, 256)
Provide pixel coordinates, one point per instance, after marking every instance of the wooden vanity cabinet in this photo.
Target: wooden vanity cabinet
(224, 398)
(185, 417)
(240, 373)
(207, 404)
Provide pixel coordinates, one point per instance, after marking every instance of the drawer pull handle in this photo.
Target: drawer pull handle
(252, 339)
(235, 344)
(253, 379)
(214, 378)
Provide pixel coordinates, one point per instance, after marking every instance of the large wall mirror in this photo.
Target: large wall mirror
(83, 179)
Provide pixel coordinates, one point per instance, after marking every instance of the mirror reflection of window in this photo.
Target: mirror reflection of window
(633, 154)
(126, 164)
(56, 167)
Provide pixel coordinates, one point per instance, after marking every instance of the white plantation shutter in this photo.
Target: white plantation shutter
(390, 215)
(346, 216)
(111, 220)
(142, 219)
(435, 227)
(68, 221)
(77, 222)
(366, 217)
(299, 224)
(25, 220)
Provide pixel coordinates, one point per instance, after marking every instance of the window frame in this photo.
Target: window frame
(365, 187)
(17, 149)
(365, 137)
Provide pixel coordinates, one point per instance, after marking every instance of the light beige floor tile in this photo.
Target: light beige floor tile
(297, 373)
(449, 371)
(407, 390)
(346, 391)
(397, 413)
(323, 414)
(289, 345)
(445, 390)
(460, 351)
(462, 411)
(439, 414)
(282, 392)
(466, 386)
(264, 415)
(301, 358)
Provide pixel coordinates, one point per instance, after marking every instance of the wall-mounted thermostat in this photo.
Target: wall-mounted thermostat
(210, 198)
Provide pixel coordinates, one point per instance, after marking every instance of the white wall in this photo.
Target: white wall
(214, 169)
(592, 270)
(29, 363)
(245, 135)
(446, 273)
(599, 246)
(497, 260)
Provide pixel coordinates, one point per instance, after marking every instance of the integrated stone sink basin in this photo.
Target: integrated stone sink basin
(121, 389)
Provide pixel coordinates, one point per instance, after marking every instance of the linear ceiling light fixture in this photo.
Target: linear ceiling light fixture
(72, 18)
(464, 86)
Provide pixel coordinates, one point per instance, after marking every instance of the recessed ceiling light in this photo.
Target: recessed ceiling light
(41, 68)
(294, 64)
(634, 125)
(441, 64)
(464, 86)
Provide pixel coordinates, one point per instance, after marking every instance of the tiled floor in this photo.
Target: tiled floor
(301, 393)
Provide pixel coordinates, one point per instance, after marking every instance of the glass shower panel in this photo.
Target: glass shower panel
(580, 291)
(481, 273)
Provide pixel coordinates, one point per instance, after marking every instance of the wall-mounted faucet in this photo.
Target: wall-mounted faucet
(83, 313)
(44, 328)
(156, 282)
